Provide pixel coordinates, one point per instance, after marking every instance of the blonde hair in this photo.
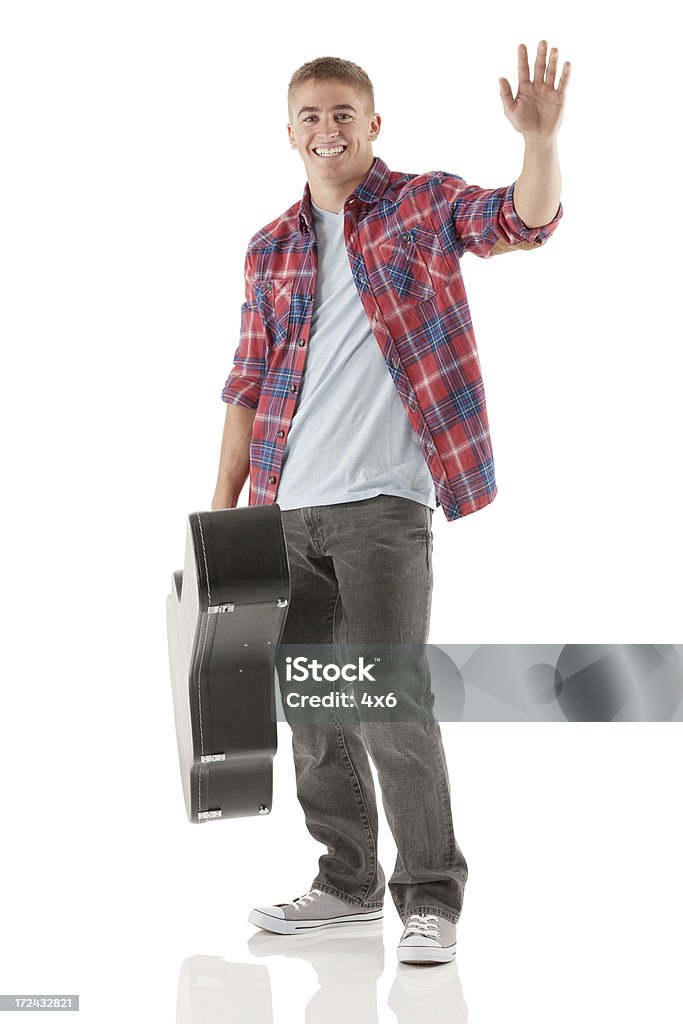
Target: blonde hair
(325, 69)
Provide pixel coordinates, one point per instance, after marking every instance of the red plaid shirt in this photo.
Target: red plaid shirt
(405, 237)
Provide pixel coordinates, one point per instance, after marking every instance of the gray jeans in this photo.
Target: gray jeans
(361, 572)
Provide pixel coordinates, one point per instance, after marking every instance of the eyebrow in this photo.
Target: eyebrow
(316, 110)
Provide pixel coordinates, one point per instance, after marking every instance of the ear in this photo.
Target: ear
(292, 139)
(375, 125)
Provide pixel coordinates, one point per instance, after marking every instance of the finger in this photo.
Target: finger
(539, 66)
(506, 94)
(552, 68)
(564, 77)
(522, 63)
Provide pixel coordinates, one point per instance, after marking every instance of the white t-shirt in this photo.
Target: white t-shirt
(350, 437)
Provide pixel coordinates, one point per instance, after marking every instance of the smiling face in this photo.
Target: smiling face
(333, 131)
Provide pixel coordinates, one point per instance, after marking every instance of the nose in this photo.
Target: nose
(331, 133)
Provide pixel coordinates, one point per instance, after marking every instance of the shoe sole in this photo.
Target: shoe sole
(283, 927)
(419, 955)
(355, 936)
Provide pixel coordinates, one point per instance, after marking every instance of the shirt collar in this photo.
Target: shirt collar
(370, 190)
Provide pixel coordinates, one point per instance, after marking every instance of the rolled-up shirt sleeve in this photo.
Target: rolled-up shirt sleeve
(243, 385)
(486, 222)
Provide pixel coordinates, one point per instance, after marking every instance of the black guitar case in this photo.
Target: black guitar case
(224, 618)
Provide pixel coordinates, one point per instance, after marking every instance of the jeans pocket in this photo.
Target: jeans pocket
(429, 538)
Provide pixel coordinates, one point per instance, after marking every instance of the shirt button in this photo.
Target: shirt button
(271, 479)
(375, 320)
(394, 362)
(411, 404)
(407, 237)
(292, 387)
(302, 341)
(280, 433)
(267, 287)
(351, 237)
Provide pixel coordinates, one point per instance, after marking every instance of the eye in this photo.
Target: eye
(312, 117)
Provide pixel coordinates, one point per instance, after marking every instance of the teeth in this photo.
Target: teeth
(330, 152)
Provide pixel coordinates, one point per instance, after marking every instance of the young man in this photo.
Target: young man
(356, 403)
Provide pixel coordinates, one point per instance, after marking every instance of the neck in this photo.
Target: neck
(330, 196)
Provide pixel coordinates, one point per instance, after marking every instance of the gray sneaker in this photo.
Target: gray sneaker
(427, 939)
(314, 910)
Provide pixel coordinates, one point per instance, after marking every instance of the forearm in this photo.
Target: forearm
(537, 190)
(233, 467)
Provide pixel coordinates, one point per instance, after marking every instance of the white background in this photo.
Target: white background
(143, 144)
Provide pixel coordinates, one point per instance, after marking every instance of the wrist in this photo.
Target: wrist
(540, 143)
(230, 486)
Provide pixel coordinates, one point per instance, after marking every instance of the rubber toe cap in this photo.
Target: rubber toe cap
(271, 912)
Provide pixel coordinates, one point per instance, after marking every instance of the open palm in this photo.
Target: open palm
(538, 107)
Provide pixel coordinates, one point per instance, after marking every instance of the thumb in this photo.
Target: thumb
(506, 93)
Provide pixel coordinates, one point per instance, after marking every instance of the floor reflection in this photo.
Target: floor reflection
(348, 964)
(212, 991)
(429, 992)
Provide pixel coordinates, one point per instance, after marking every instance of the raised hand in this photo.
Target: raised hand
(536, 111)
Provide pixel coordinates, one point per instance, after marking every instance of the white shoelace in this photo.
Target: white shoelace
(423, 924)
(300, 901)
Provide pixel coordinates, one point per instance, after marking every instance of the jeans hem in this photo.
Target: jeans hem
(333, 891)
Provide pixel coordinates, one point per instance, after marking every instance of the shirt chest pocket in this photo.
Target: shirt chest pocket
(415, 263)
(274, 300)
